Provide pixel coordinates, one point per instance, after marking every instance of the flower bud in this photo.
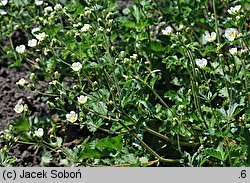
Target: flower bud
(50, 104)
(62, 94)
(57, 75)
(31, 87)
(78, 38)
(59, 102)
(32, 77)
(95, 85)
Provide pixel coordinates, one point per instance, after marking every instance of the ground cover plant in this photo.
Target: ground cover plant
(126, 83)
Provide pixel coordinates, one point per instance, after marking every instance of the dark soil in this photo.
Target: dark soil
(10, 94)
(26, 155)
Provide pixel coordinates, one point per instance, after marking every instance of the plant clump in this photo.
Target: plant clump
(144, 83)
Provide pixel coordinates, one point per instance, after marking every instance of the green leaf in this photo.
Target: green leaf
(223, 92)
(129, 24)
(231, 110)
(46, 158)
(72, 153)
(100, 108)
(217, 68)
(49, 65)
(136, 13)
(5, 159)
(20, 2)
(113, 37)
(117, 126)
(153, 80)
(222, 112)
(21, 125)
(203, 161)
(213, 153)
(78, 12)
(156, 46)
(126, 11)
(92, 153)
(59, 141)
(16, 63)
(52, 31)
(238, 62)
(217, 153)
(112, 143)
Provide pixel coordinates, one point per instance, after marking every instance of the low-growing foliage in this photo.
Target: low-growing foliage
(151, 83)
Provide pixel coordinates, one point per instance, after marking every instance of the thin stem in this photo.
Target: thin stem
(12, 46)
(246, 81)
(228, 151)
(178, 144)
(79, 77)
(23, 142)
(187, 144)
(127, 165)
(195, 87)
(157, 95)
(48, 94)
(137, 138)
(210, 103)
(216, 23)
(179, 6)
(155, 154)
(148, 35)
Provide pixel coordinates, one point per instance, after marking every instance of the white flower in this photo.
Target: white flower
(143, 160)
(230, 33)
(181, 26)
(82, 99)
(243, 50)
(233, 51)
(65, 9)
(234, 10)
(201, 62)
(18, 108)
(47, 9)
(210, 37)
(35, 30)
(85, 28)
(2, 12)
(21, 82)
(32, 76)
(76, 66)
(97, 7)
(53, 82)
(41, 36)
(168, 30)
(58, 7)
(71, 117)
(20, 49)
(38, 3)
(3, 2)
(134, 56)
(32, 43)
(87, 12)
(181, 107)
(39, 132)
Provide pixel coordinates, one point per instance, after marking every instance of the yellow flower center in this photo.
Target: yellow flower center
(73, 118)
(232, 35)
